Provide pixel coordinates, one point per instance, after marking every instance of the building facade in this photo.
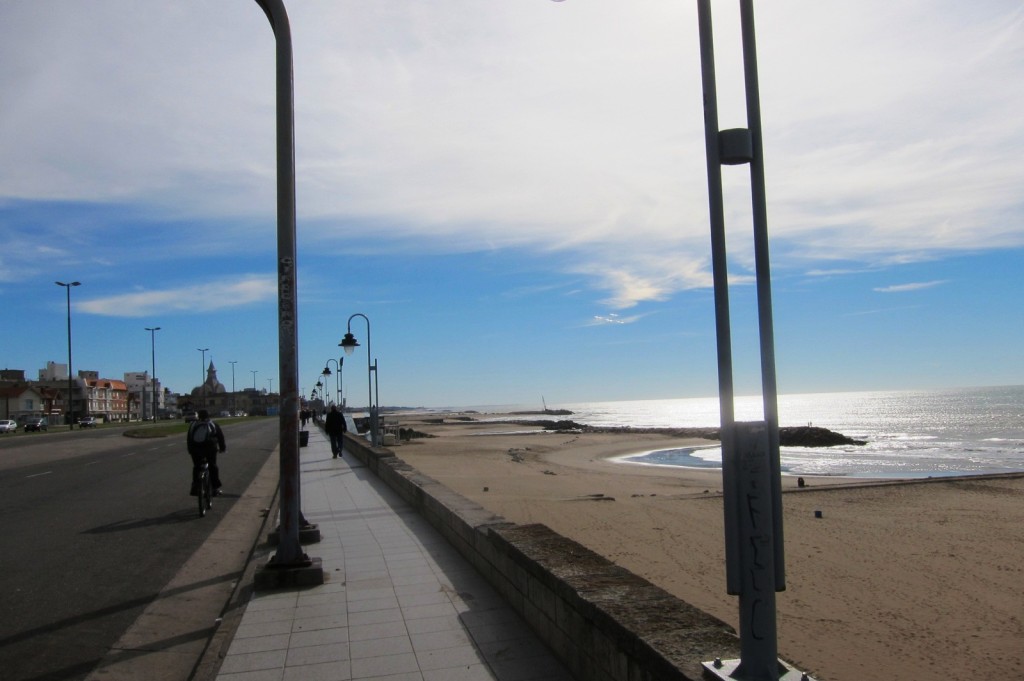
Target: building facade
(141, 388)
(107, 399)
(19, 401)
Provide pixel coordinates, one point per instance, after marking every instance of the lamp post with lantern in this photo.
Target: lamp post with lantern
(349, 344)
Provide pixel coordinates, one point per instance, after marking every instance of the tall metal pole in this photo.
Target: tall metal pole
(254, 372)
(71, 403)
(289, 552)
(769, 385)
(751, 480)
(234, 398)
(152, 349)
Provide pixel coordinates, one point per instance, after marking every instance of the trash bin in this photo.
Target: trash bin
(303, 438)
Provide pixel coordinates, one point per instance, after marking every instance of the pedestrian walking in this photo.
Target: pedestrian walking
(335, 426)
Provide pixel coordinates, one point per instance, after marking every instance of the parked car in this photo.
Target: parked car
(8, 426)
(191, 416)
(34, 423)
(87, 422)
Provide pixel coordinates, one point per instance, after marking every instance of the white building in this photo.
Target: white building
(141, 389)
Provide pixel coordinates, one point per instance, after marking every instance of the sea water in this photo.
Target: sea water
(965, 431)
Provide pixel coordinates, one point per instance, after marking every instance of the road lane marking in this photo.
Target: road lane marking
(36, 475)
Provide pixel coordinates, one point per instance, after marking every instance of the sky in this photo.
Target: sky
(514, 194)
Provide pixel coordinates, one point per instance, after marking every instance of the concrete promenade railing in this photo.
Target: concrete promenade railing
(602, 621)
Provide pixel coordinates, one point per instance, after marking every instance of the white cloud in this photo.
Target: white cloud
(892, 131)
(613, 318)
(208, 296)
(903, 288)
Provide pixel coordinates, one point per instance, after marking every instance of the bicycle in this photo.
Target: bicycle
(204, 489)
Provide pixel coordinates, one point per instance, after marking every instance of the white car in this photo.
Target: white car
(8, 426)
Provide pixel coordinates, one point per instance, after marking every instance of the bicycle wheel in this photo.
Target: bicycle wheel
(209, 490)
(203, 495)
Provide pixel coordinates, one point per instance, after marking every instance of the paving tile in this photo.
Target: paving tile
(326, 671)
(436, 610)
(259, 629)
(435, 597)
(264, 616)
(427, 624)
(377, 630)
(260, 643)
(357, 619)
(473, 672)
(316, 609)
(334, 652)
(261, 675)
(446, 658)
(372, 667)
(336, 621)
(319, 637)
(254, 661)
(380, 647)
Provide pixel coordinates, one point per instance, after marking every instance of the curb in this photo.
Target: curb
(213, 655)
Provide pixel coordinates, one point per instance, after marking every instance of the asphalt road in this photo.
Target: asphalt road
(93, 525)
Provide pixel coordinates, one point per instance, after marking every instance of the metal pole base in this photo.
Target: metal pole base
(308, 534)
(305, 572)
(725, 670)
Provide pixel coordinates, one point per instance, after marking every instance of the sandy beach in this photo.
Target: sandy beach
(915, 581)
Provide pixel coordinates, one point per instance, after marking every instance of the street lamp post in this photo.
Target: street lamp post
(234, 398)
(338, 363)
(325, 373)
(751, 473)
(152, 349)
(254, 372)
(71, 404)
(202, 374)
(289, 557)
(349, 344)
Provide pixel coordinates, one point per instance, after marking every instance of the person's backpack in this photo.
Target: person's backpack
(203, 432)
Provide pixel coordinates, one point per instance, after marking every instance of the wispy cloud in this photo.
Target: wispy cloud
(916, 286)
(205, 297)
(613, 318)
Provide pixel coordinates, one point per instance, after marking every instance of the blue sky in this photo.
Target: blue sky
(513, 193)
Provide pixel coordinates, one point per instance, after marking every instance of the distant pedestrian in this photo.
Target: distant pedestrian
(204, 440)
(335, 426)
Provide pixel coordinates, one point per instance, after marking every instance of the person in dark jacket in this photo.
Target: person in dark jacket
(205, 439)
(335, 426)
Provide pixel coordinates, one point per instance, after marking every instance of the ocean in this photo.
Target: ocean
(967, 431)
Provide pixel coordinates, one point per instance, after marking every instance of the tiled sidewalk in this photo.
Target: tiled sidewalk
(398, 602)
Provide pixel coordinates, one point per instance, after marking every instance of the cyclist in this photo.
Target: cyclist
(205, 438)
